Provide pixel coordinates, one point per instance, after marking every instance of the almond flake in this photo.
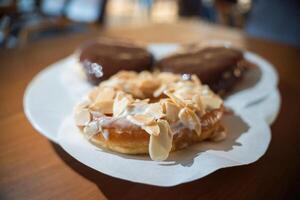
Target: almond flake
(105, 94)
(159, 91)
(93, 94)
(134, 90)
(140, 102)
(155, 110)
(92, 128)
(125, 75)
(141, 120)
(161, 145)
(148, 84)
(196, 79)
(167, 77)
(105, 107)
(82, 117)
(174, 98)
(212, 101)
(171, 110)
(121, 102)
(198, 103)
(205, 90)
(152, 129)
(190, 120)
(138, 107)
(83, 104)
(145, 75)
(184, 93)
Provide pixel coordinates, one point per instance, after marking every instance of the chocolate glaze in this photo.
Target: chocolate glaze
(219, 67)
(113, 56)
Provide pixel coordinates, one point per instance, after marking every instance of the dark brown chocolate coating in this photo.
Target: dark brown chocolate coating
(219, 67)
(113, 56)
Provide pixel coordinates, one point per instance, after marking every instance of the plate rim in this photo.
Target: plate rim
(57, 64)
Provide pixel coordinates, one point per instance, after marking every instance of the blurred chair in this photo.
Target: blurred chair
(228, 12)
(7, 8)
(275, 20)
(200, 8)
(233, 12)
(88, 11)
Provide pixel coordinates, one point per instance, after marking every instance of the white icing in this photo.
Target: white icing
(176, 127)
(105, 134)
(82, 117)
(91, 129)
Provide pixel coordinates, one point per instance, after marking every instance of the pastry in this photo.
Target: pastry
(150, 113)
(217, 66)
(105, 57)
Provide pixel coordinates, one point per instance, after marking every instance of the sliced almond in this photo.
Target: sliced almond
(93, 94)
(138, 101)
(205, 90)
(96, 114)
(121, 102)
(171, 110)
(198, 104)
(141, 120)
(134, 90)
(174, 98)
(102, 99)
(138, 107)
(148, 84)
(105, 107)
(161, 145)
(82, 117)
(190, 104)
(186, 118)
(145, 75)
(125, 75)
(105, 94)
(167, 77)
(155, 110)
(196, 79)
(190, 120)
(159, 91)
(184, 93)
(91, 129)
(152, 129)
(112, 83)
(83, 104)
(212, 101)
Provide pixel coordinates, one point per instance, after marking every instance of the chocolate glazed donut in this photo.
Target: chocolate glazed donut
(112, 56)
(219, 67)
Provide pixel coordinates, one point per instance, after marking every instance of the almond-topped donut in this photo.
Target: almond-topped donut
(150, 113)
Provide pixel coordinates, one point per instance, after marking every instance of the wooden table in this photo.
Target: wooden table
(31, 167)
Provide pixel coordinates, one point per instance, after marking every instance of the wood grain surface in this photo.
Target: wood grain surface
(31, 167)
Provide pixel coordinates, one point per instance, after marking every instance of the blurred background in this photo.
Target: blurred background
(27, 21)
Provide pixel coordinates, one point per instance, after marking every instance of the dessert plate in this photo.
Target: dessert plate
(52, 94)
(241, 147)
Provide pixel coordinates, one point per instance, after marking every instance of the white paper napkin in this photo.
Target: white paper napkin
(248, 139)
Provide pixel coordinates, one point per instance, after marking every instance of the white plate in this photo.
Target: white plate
(53, 92)
(268, 108)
